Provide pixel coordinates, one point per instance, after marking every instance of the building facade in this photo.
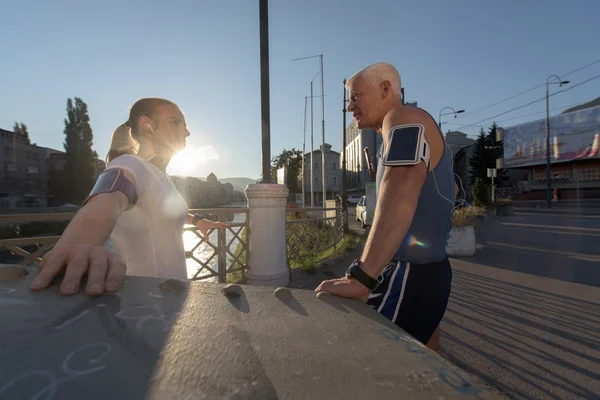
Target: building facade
(357, 172)
(333, 175)
(27, 173)
(23, 182)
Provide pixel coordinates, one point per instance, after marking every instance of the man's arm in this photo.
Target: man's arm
(396, 204)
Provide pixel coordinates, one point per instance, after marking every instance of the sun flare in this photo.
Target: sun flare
(189, 161)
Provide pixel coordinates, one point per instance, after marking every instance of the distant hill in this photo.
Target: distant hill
(589, 104)
(238, 183)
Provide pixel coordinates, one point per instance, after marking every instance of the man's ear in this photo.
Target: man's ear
(384, 88)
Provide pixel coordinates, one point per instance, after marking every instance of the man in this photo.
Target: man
(404, 272)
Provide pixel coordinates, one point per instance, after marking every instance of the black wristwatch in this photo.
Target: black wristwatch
(356, 272)
(197, 218)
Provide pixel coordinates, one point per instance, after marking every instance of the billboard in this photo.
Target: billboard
(573, 136)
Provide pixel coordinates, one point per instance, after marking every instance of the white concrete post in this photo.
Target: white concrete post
(267, 261)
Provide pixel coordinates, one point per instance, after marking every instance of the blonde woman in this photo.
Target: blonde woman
(135, 203)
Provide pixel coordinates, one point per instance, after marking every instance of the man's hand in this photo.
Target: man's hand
(105, 270)
(345, 287)
(205, 225)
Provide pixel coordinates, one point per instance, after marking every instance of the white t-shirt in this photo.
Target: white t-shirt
(149, 236)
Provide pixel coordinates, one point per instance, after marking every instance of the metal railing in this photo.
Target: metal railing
(310, 231)
(30, 248)
(215, 260)
(231, 251)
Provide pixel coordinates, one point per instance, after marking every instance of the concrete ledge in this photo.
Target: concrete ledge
(159, 340)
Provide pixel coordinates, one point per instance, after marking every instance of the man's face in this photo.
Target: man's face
(363, 103)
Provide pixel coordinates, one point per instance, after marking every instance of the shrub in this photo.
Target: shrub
(466, 216)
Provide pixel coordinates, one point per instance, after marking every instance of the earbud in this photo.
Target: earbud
(148, 126)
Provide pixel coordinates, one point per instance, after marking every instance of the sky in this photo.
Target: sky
(204, 55)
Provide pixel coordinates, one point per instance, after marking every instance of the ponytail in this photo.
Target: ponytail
(122, 142)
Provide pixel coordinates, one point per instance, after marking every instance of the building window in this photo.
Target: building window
(334, 179)
(316, 165)
(8, 151)
(32, 170)
(334, 166)
(10, 167)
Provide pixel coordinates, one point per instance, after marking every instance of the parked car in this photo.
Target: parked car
(364, 215)
(353, 199)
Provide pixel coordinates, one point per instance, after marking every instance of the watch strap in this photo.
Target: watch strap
(356, 272)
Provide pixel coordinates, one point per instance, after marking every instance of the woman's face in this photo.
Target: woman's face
(170, 128)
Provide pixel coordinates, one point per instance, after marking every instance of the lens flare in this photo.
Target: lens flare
(412, 241)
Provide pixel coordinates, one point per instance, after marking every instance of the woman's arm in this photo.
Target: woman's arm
(79, 249)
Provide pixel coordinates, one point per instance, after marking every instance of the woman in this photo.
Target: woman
(135, 203)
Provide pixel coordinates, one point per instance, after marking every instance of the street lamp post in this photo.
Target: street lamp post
(344, 187)
(312, 147)
(322, 122)
(548, 169)
(449, 113)
(304, 153)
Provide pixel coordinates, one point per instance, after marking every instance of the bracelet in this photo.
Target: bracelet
(197, 218)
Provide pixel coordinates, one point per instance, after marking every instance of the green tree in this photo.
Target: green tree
(479, 159)
(80, 168)
(21, 129)
(292, 161)
(479, 193)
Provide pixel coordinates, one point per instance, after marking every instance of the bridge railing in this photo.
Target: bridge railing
(226, 255)
(215, 257)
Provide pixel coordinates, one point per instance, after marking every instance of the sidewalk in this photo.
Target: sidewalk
(561, 204)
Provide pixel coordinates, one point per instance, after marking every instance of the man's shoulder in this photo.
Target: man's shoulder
(408, 115)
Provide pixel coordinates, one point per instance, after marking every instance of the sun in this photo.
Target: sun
(189, 161)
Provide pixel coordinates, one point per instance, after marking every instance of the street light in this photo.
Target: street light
(344, 187)
(322, 121)
(548, 174)
(449, 113)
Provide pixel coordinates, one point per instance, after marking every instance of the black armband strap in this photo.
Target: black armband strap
(112, 180)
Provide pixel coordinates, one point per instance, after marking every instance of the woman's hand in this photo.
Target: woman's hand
(105, 270)
(205, 225)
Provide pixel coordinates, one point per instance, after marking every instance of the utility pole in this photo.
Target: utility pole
(323, 133)
(312, 146)
(264, 90)
(344, 187)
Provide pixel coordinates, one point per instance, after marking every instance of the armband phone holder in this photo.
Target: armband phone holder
(113, 180)
(406, 146)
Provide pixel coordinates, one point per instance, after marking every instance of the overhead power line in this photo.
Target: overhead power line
(531, 102)
(526, 91)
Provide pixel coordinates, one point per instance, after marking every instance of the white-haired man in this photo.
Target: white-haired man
(404, 272)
